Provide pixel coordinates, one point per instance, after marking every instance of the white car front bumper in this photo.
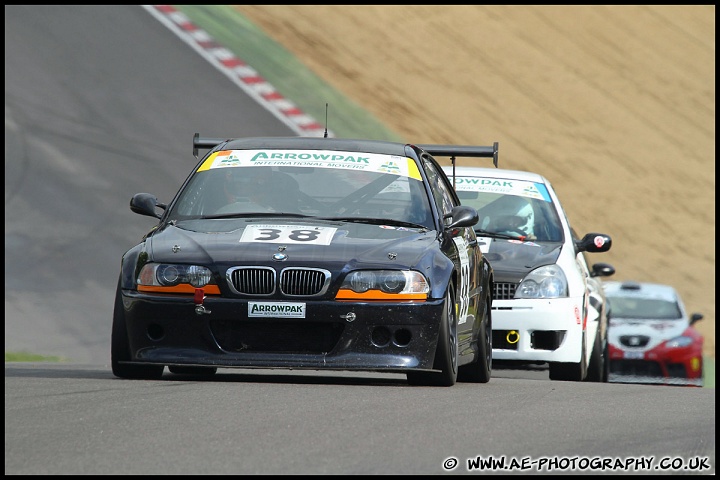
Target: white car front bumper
(538, 330)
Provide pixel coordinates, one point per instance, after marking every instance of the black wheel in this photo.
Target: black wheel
(120, 348)
(701, 383)
(599, 363)
(183, 370)
(571, 372)
(606, 363)
(480, 370)
(446, 354)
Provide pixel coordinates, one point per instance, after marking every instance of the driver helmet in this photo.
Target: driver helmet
(521, 209)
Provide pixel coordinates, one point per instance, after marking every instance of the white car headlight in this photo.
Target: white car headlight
(544, 282)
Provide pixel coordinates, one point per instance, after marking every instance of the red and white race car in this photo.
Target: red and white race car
(651, 337)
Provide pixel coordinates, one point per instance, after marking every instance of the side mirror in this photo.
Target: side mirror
(696, 317)
(146, 204)
(461, 216)
(594, 243)
(602, 270)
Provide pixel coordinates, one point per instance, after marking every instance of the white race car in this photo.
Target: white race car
(548, 306)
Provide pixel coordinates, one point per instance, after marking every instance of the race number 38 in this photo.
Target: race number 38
(464, 299)
(305, 234)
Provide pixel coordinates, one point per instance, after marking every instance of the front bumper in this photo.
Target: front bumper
(388, 337)
(660, 365)
(538, 330)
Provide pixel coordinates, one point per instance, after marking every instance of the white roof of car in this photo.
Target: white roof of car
(461, 170)
(640, 290)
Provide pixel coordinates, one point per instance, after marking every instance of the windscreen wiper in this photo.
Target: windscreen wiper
(375, 221)
(485, 233)
(255, 215)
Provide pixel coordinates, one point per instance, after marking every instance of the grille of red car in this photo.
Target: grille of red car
(640, 368)
(634, 340)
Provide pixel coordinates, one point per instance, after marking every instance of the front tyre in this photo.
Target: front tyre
(571, 372)
(120, 348)
(480, 370)
(599, 363)
(446, 354)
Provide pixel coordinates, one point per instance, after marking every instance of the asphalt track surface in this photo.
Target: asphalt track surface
(101, 102)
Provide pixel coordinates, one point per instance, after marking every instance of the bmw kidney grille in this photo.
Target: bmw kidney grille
(294, 281)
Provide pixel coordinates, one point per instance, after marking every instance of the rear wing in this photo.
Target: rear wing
(453, 151)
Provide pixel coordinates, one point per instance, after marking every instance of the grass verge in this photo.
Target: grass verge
(31, 357)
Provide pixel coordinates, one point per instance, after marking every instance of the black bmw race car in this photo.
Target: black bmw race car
(308, 253)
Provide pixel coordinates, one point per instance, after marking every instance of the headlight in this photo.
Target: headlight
(359, 282)
(544, 282)
(168, 275)
(679, 342)
(384, 285)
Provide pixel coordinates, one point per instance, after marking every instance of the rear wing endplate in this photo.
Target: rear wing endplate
(199, 142)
